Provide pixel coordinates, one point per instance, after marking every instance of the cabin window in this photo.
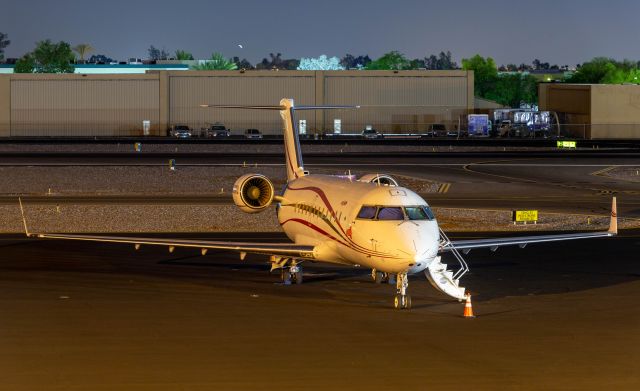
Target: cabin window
(367, 212)
(390, 213)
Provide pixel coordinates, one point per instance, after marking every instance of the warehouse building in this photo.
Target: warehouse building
(594, 111)
(117, 104)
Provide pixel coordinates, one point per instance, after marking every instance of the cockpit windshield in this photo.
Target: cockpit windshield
(367, 212)
(390, 213)
(419, 212)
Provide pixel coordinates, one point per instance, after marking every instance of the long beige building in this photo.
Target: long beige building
(594, 111)
(117, 105)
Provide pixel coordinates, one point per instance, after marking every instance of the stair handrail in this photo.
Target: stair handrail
(464, 268)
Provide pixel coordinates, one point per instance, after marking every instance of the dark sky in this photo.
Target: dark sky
(558, 31)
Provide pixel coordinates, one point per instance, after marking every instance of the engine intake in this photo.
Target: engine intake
(382, 179)
(253, 193)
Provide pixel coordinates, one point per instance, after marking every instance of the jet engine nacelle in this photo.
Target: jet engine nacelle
(253, 193)
(381, 179)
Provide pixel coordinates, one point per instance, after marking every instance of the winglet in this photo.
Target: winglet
(24, 220)
(613, 224)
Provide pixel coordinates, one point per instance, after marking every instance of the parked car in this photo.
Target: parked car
(456, 133)
(217, 130)
(252, 134)
(181, 131)
(371, 133)
(436, 130)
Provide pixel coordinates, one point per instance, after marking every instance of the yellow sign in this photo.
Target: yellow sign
(525, 215)
(566, 144)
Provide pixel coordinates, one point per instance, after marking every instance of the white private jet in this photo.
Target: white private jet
(369, 222)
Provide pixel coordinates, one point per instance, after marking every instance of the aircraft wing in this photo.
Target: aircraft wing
(522, 241)
(280, 249)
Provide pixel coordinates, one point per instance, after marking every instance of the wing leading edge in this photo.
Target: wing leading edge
(281, 249)
(494, 243)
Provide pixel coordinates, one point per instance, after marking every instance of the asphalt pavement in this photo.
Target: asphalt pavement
(80, 316)
(491, 181)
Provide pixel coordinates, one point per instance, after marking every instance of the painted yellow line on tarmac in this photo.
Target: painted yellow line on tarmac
(444, 187)
(603, 171)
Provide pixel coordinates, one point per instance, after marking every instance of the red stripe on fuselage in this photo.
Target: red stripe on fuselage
(323, 232)
(325, 199)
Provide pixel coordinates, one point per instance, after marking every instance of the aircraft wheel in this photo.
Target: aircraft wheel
(397, 302)
(285, 276)
(391, 279)
(298, 277)
(407, 302)
(379, 277)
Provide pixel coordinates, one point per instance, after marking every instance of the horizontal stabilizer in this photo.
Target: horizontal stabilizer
(246, 107)
(266, 107)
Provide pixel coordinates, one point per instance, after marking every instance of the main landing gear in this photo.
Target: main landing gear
(290, 274)
(380, 277)
(402, 301)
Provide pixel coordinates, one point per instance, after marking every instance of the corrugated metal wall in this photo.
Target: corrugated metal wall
(189, 91)
(116, 105)
(396, 102)
(83, 106)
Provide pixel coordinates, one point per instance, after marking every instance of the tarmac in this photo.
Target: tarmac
(560, 316)
(91, 316)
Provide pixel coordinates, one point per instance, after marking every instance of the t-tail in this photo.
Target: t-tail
(287, 109)
(293, 156)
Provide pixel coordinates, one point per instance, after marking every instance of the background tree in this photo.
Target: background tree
(217, 62)
(276, 62)
(183, 55)
(443, 61)
(48, 57)
(514, 89)
(4, 42)
(594, 71)
(322, 63)
(418, 63)
(524, 67)
(393, 60)
(242, 64)
(83, 49)
(507, 89)
(485, 73)
(156, 54)
(100, 59)
(351, 62)
(25, 64)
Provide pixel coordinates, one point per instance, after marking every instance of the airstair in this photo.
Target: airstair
(441, 277)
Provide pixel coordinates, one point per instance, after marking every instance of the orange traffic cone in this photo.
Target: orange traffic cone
(468, 310)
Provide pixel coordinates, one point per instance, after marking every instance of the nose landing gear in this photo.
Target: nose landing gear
(402, 301)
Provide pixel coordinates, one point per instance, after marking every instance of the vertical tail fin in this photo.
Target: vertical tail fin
(292, 152)
(295, 168)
